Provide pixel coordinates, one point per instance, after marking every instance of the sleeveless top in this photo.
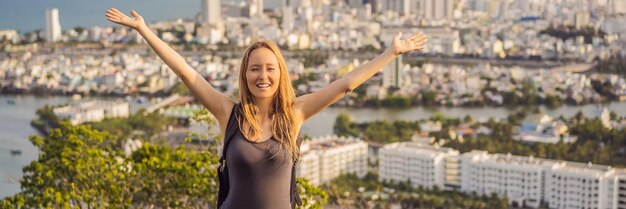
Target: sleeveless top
(259, 172)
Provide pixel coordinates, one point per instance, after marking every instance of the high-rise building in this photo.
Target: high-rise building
(522, 5)
(53, 26)
(392, 73)
(256, 8)
(437, 9)
(581, 19)
(478, 5)
(288, 18)
(211, 11)
(355, 3)
(402, 7)
(377, 5)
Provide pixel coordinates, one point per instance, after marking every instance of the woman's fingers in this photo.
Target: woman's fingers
(421, 41)
(112, 12)
(116, 11)
(111, 17)
(418, 37)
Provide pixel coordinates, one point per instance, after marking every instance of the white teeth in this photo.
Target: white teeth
(263, 85)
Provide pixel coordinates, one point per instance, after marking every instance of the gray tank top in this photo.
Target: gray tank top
(259, 173)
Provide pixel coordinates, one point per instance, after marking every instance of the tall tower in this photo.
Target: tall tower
(402, 7)
(522, 5)
(53, 26)
(436, 9)
(256, 8)
(259, 6)
(211, 11)
(288, 18)
(355, 3)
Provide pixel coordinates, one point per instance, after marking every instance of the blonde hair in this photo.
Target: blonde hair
(281, 109)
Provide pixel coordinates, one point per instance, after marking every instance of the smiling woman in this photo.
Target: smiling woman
(260, 130)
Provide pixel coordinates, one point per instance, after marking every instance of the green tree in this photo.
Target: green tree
(429, 97)
(178, 178)
(312, 197)
(77, 167)
(344, 126)
(381, 132)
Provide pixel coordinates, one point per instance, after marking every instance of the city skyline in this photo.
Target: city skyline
(76, 13)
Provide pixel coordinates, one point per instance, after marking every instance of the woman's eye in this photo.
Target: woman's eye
(271, 69)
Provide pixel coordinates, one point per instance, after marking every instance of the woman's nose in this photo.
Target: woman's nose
(263, 74)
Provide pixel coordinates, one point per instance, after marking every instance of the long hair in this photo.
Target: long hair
(281, 109)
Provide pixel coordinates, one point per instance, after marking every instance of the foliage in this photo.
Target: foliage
(46, 119)
(570, 32)
(151, 124)
(344, 126)
(80, 167)
(167, 177)
(594, 143)
(397, 101)
(615, 64)
(85, 168)
(312, 197)
(349, 191)
(69, 161)
(381, 132)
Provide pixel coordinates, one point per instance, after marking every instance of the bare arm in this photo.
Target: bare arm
(217, 103)
(310, 104)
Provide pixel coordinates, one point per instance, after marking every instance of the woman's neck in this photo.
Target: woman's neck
(264, 107)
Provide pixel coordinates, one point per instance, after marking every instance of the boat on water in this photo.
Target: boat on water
(16, 152)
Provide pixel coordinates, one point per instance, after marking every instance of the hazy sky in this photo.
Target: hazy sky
(29, 15)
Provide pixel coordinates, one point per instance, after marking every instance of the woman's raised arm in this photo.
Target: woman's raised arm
(217, 103)
(310, 104)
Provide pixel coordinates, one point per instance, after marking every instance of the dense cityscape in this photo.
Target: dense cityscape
(517, 54)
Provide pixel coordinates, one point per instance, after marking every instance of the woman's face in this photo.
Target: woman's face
(263, 73)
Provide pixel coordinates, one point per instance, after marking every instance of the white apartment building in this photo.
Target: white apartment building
(620, 196)
(518, 178)
(324, 158)
(580, 185)
(422, 164)
(92, 111)
(525, 181)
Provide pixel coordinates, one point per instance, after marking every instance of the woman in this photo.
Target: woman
(268, 116)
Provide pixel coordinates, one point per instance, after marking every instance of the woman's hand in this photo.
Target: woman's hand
(415, 42)
(118, 17)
